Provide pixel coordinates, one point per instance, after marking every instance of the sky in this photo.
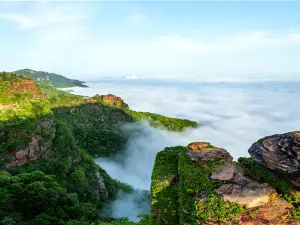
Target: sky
(151, 38)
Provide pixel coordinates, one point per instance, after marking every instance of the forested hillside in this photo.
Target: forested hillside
(47, 141)
(56, 80)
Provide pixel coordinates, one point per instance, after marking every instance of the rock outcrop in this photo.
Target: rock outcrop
(37, 147)
(23, 87)
(110, 99)
(101, 186)
(280, 153)
(208, 187)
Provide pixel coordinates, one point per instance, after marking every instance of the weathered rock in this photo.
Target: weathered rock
(216, 169)
(236, 187)
(112, 99)
(224, 172)
(281, 153)
(240, 188)
(251, 195)
(109, 99)
(277, 208)
(35, 148)
(204, 151)
(103, 193)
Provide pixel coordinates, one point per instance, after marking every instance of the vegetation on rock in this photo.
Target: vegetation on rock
(56, 80)
(201, 184)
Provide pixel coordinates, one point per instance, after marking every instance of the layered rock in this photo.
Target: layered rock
(280, 153)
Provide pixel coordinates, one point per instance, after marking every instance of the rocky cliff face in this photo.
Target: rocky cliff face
(201, 184)
(39, 144)
(280, 153)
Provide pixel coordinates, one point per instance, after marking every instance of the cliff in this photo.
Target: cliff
(48, 139)
(201, 184)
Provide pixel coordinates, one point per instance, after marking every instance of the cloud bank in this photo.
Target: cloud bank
(231, 115)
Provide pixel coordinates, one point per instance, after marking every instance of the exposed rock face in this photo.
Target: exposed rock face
(25, 86)
(236, 187)
(224, 172)
(102, 188)
(110, 99)
(281, 153)
(36, 148)
(204, 151)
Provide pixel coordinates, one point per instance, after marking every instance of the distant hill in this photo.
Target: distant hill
(56, 80)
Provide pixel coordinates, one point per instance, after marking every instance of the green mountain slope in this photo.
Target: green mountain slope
(56, 80)
(47, 140)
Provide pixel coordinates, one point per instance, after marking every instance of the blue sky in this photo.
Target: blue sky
(151, 39)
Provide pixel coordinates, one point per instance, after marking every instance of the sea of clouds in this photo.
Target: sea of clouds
(232, 115)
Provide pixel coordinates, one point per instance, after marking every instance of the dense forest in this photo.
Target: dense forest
(48, 139)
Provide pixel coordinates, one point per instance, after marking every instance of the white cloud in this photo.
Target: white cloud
(231, 115)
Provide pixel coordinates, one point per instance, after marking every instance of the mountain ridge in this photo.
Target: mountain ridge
(57, 80)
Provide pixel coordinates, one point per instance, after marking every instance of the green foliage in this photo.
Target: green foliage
(260, 141)
(183, 193)
(296, 213)
(37, 198)
(63, 187)
(96, 127)
(17, 102)
(159, 121)
(59, 98)
(263, 175)
(144, 220)
(164, 186)
(56, 80)
(198, 201)
(214, 208)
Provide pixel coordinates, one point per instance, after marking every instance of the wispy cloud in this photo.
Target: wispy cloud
(42, 14)
(137, 18)
(73, 31)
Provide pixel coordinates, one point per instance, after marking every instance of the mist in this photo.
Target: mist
(231, 116)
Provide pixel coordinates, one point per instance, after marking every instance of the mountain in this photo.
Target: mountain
(56, 80)
(48, 139)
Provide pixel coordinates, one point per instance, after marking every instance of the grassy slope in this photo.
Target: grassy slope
(62, 186)
(56, 80)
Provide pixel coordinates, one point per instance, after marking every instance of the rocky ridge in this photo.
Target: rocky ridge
(205, 185)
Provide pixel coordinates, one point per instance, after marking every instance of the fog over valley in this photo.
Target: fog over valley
(231, 115)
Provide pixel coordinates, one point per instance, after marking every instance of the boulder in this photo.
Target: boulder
(235, 186)
(280, 153)
(204, 151)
